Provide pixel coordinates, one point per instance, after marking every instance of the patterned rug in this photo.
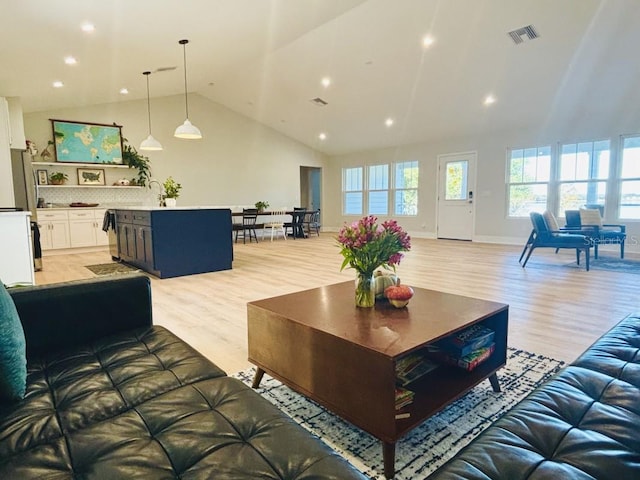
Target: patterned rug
(611, 264)
(437, 439)
(113, 268)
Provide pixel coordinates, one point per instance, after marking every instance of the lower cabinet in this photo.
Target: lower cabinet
(135, 239)
(54, 229)
(71, 228)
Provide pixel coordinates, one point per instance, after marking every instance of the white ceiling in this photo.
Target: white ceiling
(265, 59)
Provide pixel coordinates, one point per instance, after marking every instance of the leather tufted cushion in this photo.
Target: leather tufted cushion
(144, 404)
(581, 424)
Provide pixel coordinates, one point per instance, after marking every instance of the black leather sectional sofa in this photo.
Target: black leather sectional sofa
(111, 396)
(584, 423)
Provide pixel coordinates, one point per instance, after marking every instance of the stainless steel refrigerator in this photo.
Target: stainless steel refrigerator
(25, 190)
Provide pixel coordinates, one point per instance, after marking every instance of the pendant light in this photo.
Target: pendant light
(149, 143)
(187, 129)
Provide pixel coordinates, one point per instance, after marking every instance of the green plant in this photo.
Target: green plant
(58, 177)
(171, 188)
(134, 159)
(262, 205)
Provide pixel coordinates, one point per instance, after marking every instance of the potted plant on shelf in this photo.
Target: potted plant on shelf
(171, 191)
(261, 206)
(131, 157)
(58, 178)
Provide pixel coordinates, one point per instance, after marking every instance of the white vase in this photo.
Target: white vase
(170, 202)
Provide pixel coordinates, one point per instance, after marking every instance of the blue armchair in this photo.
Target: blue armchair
(589, 223)
(543, 236)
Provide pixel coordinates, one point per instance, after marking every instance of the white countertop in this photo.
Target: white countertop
(16, 214)
(192, 207)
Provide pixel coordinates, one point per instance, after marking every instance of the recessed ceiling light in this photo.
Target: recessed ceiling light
(70, 60)
(489, 99)
(58, 84)
(389, 122)
(326, 81)
(427, 41)
(88, 27)
(124, 91)
(322, 136)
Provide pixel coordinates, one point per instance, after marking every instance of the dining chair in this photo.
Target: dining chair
(248, 225)
(312, 221)
(276, 223)
(297, 223)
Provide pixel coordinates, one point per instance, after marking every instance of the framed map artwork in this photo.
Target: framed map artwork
(87, 142)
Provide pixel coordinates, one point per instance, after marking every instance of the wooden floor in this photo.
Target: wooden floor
(553, 310)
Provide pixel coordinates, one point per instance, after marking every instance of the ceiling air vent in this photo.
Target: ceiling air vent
(520, 35)
(319, 102)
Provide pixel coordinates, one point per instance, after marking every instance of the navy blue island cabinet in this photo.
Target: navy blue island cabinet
(172, 242)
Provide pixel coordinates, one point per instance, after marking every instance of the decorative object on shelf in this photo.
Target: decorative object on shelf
(150, 143)
(43, 177)
(58, 178)
(365, 246)
(123, 182)
(45, 155)
(91, 176)
(133, 159)
(171, 191)
(187, 129)
(77, 142)
(261, 206)
(31, 148)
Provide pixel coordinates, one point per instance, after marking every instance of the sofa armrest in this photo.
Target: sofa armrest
(61, 315)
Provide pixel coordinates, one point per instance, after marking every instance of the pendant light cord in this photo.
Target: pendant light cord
(184, 52)
(146, 74)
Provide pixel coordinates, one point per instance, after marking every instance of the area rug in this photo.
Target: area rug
(113, 268)
(611, 264)
(435, 441)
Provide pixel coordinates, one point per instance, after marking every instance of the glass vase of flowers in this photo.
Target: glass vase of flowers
(367, 245)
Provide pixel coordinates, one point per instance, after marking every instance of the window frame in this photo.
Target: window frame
(525, 183)
(346, 190)
(395, 189)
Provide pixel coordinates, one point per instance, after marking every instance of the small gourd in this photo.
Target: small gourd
(384, 280)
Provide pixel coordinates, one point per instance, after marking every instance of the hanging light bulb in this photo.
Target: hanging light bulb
(187, 129)
(149, 143)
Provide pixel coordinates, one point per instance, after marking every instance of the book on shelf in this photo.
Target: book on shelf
(466, 341)
(404, 397)
(468, 362)
(412, 367)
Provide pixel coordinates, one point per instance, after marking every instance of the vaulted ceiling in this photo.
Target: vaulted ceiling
(266, 58)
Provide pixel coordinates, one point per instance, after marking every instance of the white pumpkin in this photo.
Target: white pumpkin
(384, 280)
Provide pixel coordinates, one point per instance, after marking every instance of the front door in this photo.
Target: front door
(456, 184)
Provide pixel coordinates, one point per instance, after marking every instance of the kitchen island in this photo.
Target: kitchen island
(172, 242)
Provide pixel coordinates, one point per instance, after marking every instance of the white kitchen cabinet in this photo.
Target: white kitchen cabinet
(16, 253)
(17, 138)
(6, 176)
(85, 228)
(54, 229)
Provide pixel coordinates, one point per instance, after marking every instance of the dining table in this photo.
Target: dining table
(298, 229)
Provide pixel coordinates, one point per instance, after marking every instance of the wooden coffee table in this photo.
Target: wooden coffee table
(320, 344)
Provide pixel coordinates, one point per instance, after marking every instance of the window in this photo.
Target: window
(378, 189)
(406, 188)
(352, 184)
(529, 174)
(630, 178)
(583, 173)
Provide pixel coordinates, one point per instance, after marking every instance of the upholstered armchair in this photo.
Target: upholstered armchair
(543, 236)
(588, 222)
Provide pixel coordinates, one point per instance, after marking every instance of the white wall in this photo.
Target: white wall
(237, 162)
(491, 221)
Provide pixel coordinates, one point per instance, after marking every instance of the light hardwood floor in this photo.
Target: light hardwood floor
(553, 310)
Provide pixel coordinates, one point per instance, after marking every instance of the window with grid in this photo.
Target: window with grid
(378, 195)
(352, 190)
(405, 198)
(582, 174)
(630, 178)
(529, 173)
